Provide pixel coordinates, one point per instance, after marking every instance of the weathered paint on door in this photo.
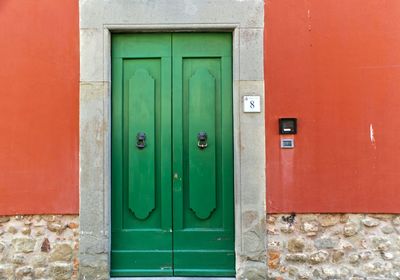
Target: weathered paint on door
(172, 200)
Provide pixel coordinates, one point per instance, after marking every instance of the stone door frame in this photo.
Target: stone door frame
(97, 23)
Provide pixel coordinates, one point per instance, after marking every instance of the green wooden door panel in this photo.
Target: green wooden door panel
(202, 100)
(141, 161)
(198, 263)
(172, 203)
(201, 119)
(141, 178)
(141, 45)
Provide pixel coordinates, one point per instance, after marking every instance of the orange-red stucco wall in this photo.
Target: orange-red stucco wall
(39, 103)
(335, 65)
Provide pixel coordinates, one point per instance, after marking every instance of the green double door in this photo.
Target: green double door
(172, 155)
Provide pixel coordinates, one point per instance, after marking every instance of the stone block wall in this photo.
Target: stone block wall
(39, 247)
(337, 246)
(300, 247)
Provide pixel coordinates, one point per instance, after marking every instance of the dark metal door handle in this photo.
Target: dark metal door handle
(141, 140)
(202, 140)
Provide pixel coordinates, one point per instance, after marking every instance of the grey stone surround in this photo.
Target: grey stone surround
(98, 19)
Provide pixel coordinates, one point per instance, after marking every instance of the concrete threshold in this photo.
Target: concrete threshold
(172, 278)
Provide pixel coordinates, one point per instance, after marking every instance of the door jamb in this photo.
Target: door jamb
(229, 28)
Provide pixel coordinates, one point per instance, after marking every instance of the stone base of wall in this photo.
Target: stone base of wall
(39, 247)
(339, 246)
(301, 247)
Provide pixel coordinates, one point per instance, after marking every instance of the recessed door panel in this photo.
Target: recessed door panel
(141, 131)
(201, 146)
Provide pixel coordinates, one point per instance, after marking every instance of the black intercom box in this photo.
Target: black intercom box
(287, 126)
